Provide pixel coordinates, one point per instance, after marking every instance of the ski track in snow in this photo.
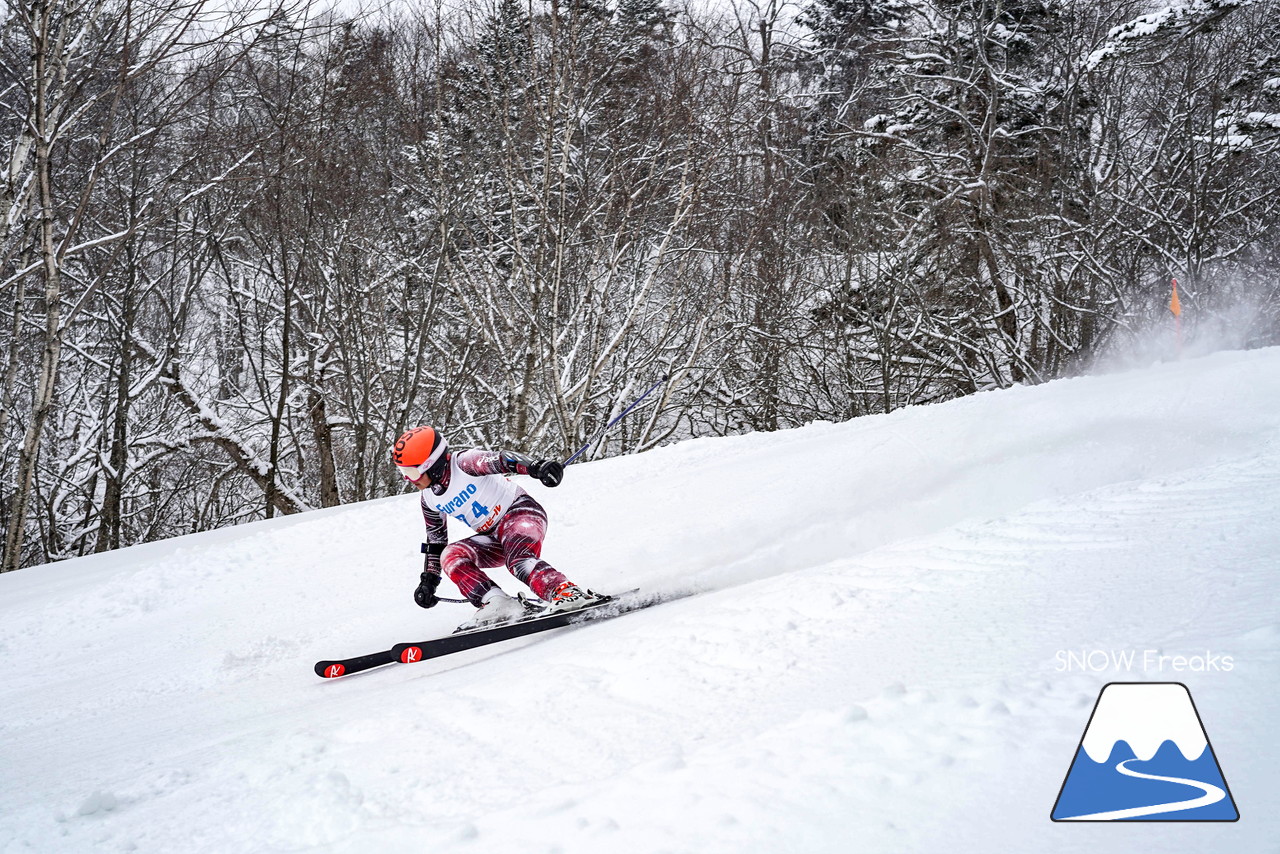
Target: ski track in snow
(1210, 794)
(870, 663)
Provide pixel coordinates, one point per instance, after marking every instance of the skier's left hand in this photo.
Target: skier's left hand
(550, 472)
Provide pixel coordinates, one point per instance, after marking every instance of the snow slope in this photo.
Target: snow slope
(873, 662)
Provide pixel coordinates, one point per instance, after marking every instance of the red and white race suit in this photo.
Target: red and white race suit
(510, 523)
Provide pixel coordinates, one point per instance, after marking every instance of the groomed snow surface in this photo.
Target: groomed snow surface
(872, 660)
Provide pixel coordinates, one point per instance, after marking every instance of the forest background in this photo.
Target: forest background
(243, 247)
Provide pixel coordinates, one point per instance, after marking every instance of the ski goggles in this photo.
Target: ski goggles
(414, 472)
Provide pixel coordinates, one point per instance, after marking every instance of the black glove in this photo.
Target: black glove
(550, 472)
(425, 595)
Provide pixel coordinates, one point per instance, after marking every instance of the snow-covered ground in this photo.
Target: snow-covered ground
(873, 661)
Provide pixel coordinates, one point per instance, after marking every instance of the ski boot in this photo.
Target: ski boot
(497, 608)
(570, 597)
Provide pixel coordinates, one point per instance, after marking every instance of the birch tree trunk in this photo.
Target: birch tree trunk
(46, 62)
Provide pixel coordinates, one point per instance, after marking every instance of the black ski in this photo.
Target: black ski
(344, 666)
(409, 653)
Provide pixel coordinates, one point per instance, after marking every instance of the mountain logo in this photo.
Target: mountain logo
(1145, 756)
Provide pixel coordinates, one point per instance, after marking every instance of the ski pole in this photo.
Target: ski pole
(622, 415)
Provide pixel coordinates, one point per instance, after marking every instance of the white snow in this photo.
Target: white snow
(1144, 716)
(1182, 14)
(872, 663)
(1261, 120)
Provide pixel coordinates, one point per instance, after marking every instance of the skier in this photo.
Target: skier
(471, 486)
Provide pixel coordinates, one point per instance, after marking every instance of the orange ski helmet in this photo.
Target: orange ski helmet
(420, 451)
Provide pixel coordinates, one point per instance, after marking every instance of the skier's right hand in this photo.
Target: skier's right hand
(425, 595)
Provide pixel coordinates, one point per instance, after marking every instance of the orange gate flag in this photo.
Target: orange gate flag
(1174, 305)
